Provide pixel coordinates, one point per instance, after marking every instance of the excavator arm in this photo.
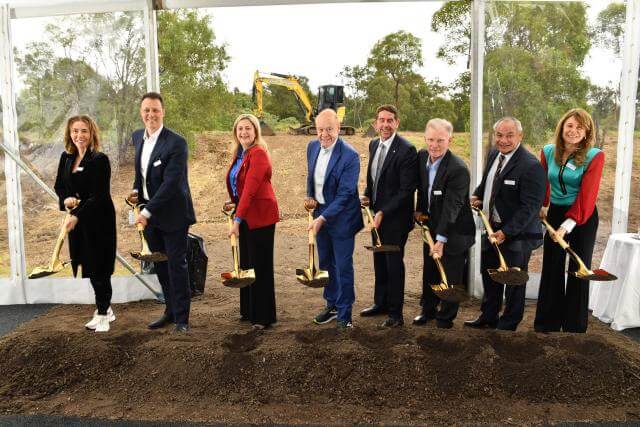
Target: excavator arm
(290, 82)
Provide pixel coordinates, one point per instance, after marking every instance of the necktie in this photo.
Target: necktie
(495, 183)
(381, 156)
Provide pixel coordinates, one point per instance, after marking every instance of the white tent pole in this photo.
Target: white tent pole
(11, 170)
(477, 75)
(626, 124)
(151, 47)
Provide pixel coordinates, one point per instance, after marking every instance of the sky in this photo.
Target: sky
(317, 41)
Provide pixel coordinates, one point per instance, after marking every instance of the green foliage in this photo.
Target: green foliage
(196, 98)
(458, 36)
(389, 77)
(283, 102)
(609, 29)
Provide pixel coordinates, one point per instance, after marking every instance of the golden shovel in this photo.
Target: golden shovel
(583, 272)
(236, 278)
(145, 253)
(310, 276)
(444, 291)
(503, 274)
(379, 247)
(55, 265)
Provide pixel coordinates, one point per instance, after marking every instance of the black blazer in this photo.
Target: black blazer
(520, 191)
(169, 201)
(396, 185)
(92, 243)
(450, 212)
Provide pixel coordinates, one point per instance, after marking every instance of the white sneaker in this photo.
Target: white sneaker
(103, 323)
(91, 324)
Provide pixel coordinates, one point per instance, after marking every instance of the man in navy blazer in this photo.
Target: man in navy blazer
(511, 193)
(392, 176)
(332, 189)
(161, 182)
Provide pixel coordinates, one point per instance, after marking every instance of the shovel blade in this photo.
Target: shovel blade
(39, 272)
(512, 276)
(383, 248)
(318, 280)
(598, 275)
(453, 294)
(232, 280)
(152, 257)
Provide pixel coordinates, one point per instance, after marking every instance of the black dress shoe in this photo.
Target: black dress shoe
(392, 322)
(163, 321)
(444, 324)
(421, 319)
(181, 328)
(480, 323)
(374, 310)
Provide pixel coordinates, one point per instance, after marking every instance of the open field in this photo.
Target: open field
(298, 372)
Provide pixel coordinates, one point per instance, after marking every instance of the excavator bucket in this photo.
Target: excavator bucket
(265, 129)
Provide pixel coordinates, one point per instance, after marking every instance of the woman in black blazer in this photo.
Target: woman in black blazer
(82, 186)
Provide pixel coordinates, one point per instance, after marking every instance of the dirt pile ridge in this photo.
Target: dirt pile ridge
(297, 373)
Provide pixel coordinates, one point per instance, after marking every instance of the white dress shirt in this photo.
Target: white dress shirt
(488, 185)
(374, 162)
(322, 162)
(148, 143)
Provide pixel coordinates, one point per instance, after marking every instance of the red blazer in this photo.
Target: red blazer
(256, 203)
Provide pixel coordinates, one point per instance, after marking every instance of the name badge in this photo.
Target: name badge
(509, 182)
(571, 166)
(79, 168)
(157, 163)
(437, 193)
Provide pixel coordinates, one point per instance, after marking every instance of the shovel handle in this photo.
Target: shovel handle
(563, 243)
(312, 239)
(485, 220)
(487, 226)
(370, 220)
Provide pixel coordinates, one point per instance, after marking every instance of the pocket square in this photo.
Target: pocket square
(157, 163)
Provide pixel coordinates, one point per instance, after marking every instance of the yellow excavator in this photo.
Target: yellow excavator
(329, 96)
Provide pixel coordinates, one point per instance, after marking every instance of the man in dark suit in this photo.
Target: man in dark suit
(391, 183)
(332, 190)
(511, 193)
(161, 180)
(443, 191)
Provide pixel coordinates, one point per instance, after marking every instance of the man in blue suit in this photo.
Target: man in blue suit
(161, 178)
(332, 189)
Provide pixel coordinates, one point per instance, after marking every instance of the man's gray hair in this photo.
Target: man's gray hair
(440, 124)
(508, 119)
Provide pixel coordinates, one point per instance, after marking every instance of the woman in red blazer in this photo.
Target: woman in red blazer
(249, 187)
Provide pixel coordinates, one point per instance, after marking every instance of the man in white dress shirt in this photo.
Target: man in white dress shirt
(332, 190)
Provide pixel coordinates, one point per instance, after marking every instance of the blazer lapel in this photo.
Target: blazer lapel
(442, 169)
(392, 151)
(372, 154)
(156, 149)
(335, 155)
(513, 161)
(313, 160)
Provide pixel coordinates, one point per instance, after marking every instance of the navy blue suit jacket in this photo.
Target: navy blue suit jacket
(396, 186)
(340, 189)
(519, 194)
(169, 201)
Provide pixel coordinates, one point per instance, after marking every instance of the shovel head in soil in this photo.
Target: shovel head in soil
(239, 279)
(378, 247)
(512, 276)
(382, 248)
(450, 293)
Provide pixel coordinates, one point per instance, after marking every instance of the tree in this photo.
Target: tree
(282, 102)
(458, 36)
(191, 64)
(396, 56)
(609, 29)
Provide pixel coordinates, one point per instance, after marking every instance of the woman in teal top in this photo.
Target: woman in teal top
(574, 169)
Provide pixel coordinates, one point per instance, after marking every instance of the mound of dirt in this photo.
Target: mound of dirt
(314, 374)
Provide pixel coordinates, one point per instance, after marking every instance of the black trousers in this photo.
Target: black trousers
(560, 306)
(102, 289)
(454, 268)
(493, 291)
(389, 271)
(258, 301)
(173, 274)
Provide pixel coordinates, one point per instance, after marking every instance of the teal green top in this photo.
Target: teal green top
(565, 179)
